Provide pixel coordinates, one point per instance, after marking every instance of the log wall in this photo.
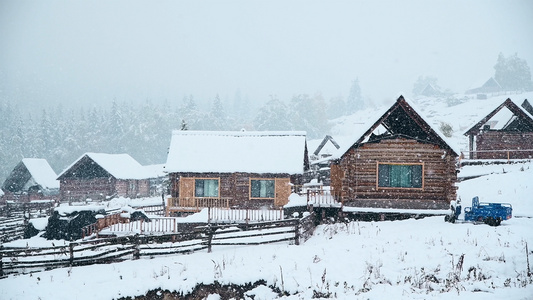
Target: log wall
(80, 189)
(354, 177)
(100, 188)
(501, 140)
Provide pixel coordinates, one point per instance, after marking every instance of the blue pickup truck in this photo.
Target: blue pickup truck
(489, 213)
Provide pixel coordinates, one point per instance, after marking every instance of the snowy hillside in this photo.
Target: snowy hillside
(411, 259)
(460, 112)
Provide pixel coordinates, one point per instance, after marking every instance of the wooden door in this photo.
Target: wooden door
(187, 192)
(283, 191)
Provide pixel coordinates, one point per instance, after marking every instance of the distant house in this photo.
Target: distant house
(400, 161)
(31, 179)
(505, 133)
(319, 160)
(326, 148)
(430, 90)
(100, 176)
(234, 169)
(490, 86)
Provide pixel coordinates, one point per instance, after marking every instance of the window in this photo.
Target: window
(262, 188)
(402, 176)
(206, 188)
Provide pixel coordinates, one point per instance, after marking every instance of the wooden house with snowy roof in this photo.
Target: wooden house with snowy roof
(319, 160)
(31, 179)
(398, 161)
(505, 133)
(240, 169)
(101, 176)
(488, 87)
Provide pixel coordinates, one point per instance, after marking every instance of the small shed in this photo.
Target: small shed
(505, 133)
(399, 161)
(101, 176)
(31, 179)
(490, 86)
(238, 169)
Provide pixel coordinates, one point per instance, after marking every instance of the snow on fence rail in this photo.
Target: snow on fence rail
(11, 229)
(98, 251)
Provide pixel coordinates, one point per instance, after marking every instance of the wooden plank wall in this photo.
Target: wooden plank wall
(233, 185)
(356, 176)
(501, 140)
(80, 189)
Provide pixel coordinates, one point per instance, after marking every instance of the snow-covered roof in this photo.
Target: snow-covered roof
(155, 171)
(237, 151)
(41, 172)
(120, 166)
(502, 115)
(362, 133)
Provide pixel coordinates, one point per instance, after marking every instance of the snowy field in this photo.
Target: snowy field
(411, 259)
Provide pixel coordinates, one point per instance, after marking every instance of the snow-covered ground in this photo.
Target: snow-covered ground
(411, 259)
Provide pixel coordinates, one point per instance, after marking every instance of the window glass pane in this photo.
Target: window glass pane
(256, 188)
(406, 176)
(262, 188)
(206, 188)
(384, 175)
(199, 188)
(417, 176)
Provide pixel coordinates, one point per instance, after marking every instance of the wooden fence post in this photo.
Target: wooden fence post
(1, 264)
(297, 233)
(137, 249)
(71, 250)
(210, 233)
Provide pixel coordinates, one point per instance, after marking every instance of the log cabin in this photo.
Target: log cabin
(400, 162)
(234, 169)
(505, 133)
(31, 179)
(101, 176)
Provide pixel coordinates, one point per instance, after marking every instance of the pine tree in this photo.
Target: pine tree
(355, 101)
(273, 116)
(513, 73)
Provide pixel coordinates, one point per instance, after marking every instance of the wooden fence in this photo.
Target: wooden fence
(227, 215)
(11, 229)
(98, 251)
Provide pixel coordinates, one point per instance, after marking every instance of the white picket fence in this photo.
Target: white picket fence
(160, 225)
(167, 225)
(225, 215)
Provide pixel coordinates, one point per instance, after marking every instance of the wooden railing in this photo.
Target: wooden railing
(498, 154)
(102, 223)
(160, 225)
(229, 215)
(196, 204)
(321, 197)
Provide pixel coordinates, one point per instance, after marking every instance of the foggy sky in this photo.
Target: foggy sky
(96, 51)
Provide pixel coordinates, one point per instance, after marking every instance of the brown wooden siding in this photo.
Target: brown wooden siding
(235, 186)
(501, 140)
(81, 189)
(100, 188)
(354, 178)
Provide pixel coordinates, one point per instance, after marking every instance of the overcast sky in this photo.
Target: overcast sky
(96, 51)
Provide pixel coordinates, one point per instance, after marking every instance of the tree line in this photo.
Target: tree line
(62, 135)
